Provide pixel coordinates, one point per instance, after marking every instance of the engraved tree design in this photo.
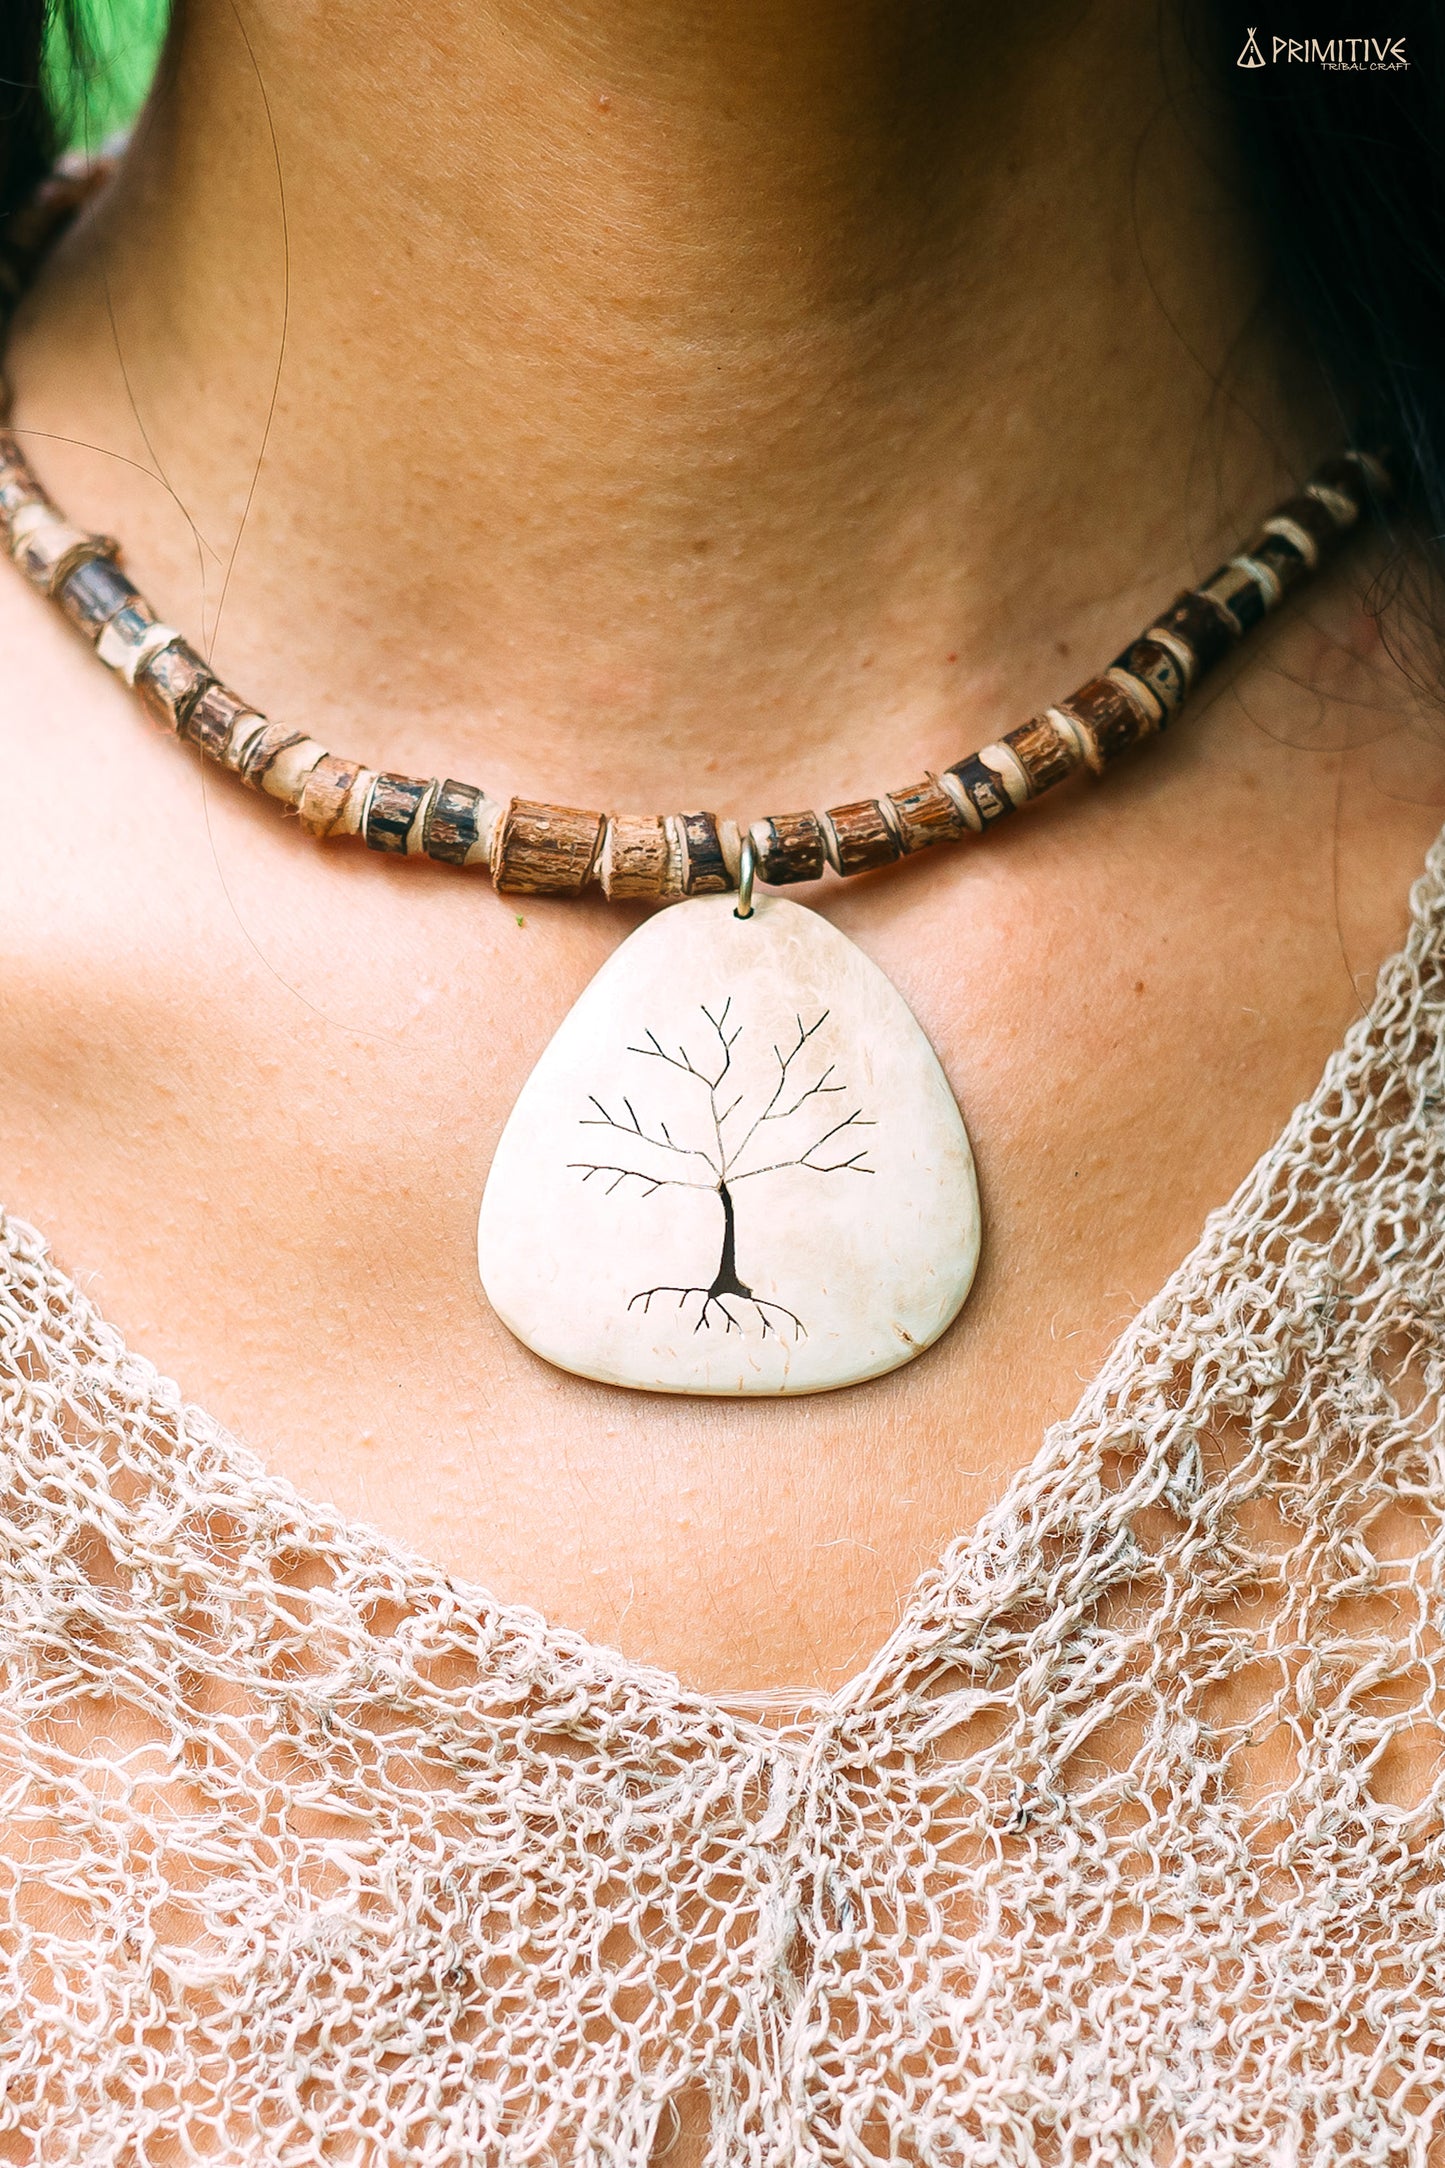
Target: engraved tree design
(737, 1147)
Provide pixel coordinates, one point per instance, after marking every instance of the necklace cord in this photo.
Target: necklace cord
(531, 848)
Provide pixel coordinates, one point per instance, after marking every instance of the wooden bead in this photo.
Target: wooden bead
(351, 820)
(1239, 589)
(94, 593)
(453, 822)
(171, 683)
(1044, 753)
(217, 720)
(1108, 719)
(1309, 522)
(131, 638)
(1009, 769)
(284, 775)
(674, 880)
(255, 743)
(978, 790)
(324, 794)
(1201, 626)
(730, 838)
(1159, 672)
(489, 820)
(1139, 696)
(1341, 510)
(544, 850)
(790, 848)
(862, 835)
(705, 866)
(634, 859)
(1349, 477)
(926, 815)
(47, 548)
(1287, 554)
(396, 800)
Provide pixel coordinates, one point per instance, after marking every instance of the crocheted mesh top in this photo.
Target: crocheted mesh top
(1127, 1848)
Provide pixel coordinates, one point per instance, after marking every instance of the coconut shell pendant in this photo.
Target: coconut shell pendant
(737, 1169)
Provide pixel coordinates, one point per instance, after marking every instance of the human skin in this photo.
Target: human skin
(648, 406)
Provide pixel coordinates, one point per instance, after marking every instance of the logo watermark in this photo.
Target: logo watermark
(1350, 56)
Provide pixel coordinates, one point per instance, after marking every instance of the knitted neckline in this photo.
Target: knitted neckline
(1126, 1846)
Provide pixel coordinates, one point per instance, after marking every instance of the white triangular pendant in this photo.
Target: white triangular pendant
(738, 1168)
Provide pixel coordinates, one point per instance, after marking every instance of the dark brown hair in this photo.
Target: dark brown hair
(1343, 149)
(27, 126)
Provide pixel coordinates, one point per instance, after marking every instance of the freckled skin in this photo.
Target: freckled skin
(764, 292)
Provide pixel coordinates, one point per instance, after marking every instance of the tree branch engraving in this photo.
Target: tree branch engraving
(737, 1146)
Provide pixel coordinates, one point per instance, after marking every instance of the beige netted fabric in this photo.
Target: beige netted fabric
(1127, 1848)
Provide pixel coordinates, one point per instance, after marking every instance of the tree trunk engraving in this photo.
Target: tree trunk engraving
(736, 1148)
(725, 1280)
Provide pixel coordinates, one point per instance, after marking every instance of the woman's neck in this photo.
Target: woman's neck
(628, 403)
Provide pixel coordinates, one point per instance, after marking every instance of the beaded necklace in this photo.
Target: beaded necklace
(727, 1040)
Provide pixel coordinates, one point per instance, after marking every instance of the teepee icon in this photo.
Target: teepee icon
(1251, 57)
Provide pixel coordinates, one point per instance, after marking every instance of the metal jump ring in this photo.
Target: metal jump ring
(747, 870)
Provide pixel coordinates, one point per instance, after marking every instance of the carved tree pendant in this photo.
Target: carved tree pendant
(738, 1168)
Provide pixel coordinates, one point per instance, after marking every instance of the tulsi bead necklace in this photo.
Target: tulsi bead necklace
(726, 1043)
(536, 849)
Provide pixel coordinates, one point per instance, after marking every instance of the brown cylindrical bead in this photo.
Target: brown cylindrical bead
(926, 815)
(1043, 752)
(1158, 669)
(1309, 514)
(325, 792)
(1200, 625)
(983, 788)
(706, 868)
(634, 857)
(790, 847)
(1107, 717)
(1282, 557)
(171, 683)
(1241, 589)
(863, 835)
(1138, 694)
(544, 850)
(217, 720)
(1348, 476)
(395, 803)
(451, 828)
(94, 593)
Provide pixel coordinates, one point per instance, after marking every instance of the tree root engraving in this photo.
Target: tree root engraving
(713, 1300)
